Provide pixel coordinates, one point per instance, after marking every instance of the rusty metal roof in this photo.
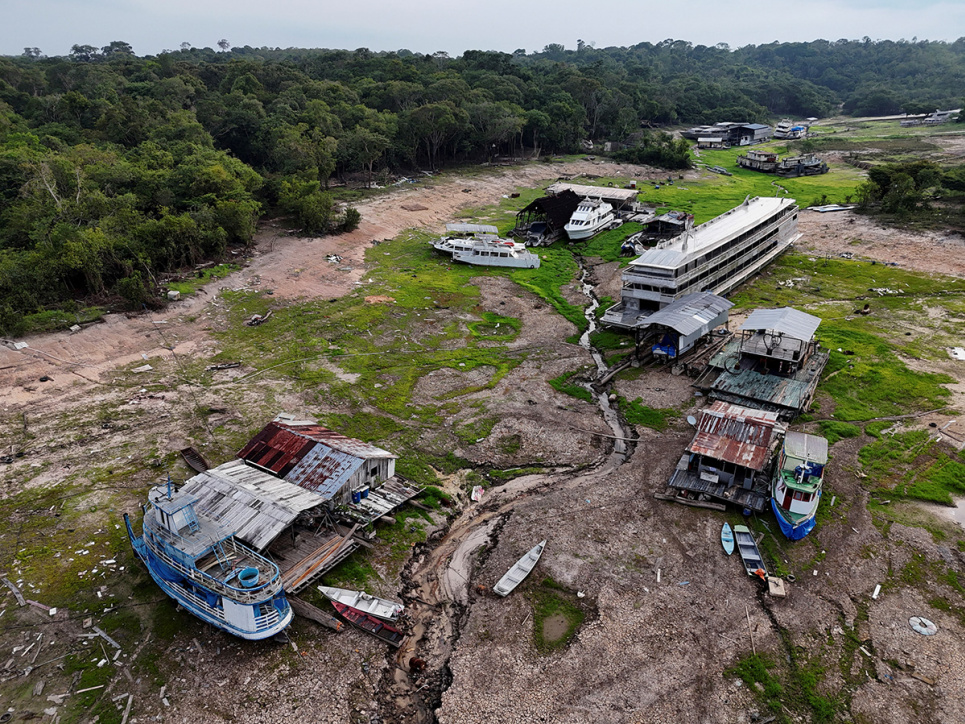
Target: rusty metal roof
(309, 455)
(256, 505)
(736, 434)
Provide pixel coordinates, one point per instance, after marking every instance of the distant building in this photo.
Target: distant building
(734, 134)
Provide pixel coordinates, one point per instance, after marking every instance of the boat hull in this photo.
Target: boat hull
(522, 568)
(727, 538)
(273, 614)
(795, 530)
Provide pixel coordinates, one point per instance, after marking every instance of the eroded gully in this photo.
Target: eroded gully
(437, 578)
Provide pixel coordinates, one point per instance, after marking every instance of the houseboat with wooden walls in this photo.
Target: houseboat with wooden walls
(715, 256)
(197, 561)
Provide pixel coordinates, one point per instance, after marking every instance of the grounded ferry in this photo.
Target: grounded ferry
(198, 562)
(716, 256)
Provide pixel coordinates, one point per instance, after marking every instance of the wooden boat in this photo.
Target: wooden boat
(381, 608)
(727, 538)
(370, 624)
(194, 460)
(199, 563)
(521, 568)
(796, 486)
(753, 563)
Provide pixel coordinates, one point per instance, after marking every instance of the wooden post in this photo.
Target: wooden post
(749, 630)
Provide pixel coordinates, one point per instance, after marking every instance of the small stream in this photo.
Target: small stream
(610, 416)
(438, 581)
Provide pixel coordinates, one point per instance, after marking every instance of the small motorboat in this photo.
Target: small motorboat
(370, 624)
(373, 605)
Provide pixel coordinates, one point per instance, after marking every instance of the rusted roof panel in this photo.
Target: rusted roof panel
(736, 434)
(256, 505)
(324, 470)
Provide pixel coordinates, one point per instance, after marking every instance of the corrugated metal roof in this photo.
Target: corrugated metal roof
(308, 455)
(256, 505)
(689, 313)
(595, 192)
(791, 322)
(802, 446)
(735, 434)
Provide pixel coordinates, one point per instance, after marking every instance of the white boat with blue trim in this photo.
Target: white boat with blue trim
(198, 562)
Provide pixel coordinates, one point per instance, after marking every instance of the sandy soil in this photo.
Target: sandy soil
(647, 652)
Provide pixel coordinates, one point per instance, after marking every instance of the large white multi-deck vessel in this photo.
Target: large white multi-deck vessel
(716, 256)
(788, 130)
(590, 217)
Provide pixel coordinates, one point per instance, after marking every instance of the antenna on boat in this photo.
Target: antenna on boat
(170, 486)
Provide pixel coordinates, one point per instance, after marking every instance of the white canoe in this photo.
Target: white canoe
(520, 570)
(374, 606)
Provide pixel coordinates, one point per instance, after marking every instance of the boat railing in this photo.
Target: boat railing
(264, 621)
(246, 595)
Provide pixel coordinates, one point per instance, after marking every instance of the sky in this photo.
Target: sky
(427, 26)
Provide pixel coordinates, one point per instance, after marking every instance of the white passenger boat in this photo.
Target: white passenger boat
(590, 217)
(521, 568)
(497, 252)
(381, 608)
(788, 130)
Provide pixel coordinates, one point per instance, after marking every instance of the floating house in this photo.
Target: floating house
(676, 329)
(715, 256)
(774, 363)
(730, 456)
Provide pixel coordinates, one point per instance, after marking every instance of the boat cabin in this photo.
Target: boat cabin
(800, 468)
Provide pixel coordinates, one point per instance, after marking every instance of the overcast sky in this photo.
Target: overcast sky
(426, 26)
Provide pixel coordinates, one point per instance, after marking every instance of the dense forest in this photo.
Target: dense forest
(116, 168)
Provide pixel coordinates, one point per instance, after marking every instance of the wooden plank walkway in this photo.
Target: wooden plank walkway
(321, 559)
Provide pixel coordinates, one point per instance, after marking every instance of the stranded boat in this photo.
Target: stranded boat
(788, 130)
(591, 216)
(458, 241)
(753, 563)
(496, 252)
(521, 568)
(370, 624)
(198, 562)
(796, 487)
(379, 607)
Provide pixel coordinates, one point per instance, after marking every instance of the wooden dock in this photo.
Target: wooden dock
(305, 560)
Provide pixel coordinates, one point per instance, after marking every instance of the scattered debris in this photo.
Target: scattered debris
(142, 368)
(224, 366)
(923, 626)
(257, 319)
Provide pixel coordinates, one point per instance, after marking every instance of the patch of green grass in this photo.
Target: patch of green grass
(938, 482)
(474, 431)
(408, 529)
(607, 339)
(834, 431)
(435, 498)
(910, 465)
(550, 599)
(53, 320)
(756, 669)
(495, 327)
(354, 572)
(503, 475)
(509, 444)
(363, 425)
(198, 279)
(606, 245)
(636, 413)
(562, 384)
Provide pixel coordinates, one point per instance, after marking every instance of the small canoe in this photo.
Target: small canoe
(372, 605)
(727, 538)
(753, 563)
(370, 624)
(521, 568)
(194, 460)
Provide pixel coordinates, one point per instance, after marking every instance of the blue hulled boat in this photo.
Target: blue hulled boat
(796, 488)
(198, 562)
